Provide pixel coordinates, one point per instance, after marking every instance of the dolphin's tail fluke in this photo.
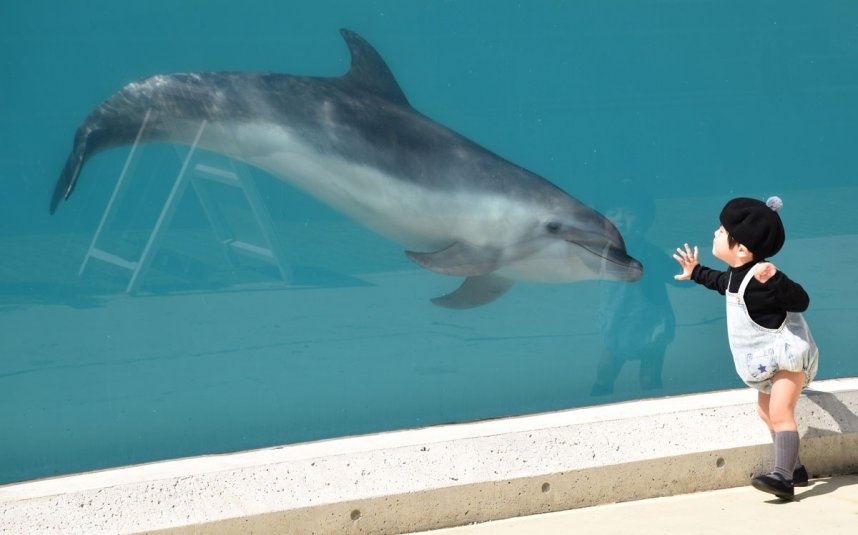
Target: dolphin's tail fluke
(69, 174)
(66, 182)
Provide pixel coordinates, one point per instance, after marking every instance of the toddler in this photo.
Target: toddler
(772, 347)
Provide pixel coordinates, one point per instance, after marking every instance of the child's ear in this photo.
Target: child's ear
(743, 253)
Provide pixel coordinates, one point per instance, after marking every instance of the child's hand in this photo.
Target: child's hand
(764, 271)
(687, 260)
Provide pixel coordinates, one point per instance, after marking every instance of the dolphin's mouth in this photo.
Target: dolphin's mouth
(618, 264)
(631, 270)
(614, 262)
(607, 257)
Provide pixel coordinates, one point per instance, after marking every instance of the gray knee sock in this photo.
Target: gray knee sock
(786, 452)
(797, 457)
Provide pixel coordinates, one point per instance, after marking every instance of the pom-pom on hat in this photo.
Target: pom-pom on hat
(755, 224)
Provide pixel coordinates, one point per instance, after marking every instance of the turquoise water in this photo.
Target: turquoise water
(660, 109)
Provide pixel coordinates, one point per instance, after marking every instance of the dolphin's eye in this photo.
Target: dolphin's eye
(553, 227)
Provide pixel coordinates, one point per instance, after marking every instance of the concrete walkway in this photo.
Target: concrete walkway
(827, 506)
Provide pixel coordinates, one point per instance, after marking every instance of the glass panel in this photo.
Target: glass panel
(253, 289)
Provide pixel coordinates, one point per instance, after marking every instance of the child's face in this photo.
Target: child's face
(735, 256)
(722, 250)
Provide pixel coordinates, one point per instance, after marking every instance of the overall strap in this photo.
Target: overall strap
(747, 279)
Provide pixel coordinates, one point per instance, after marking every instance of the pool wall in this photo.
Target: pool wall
(653, 113)
(451, 475)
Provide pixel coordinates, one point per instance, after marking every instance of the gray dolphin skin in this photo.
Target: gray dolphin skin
(355, 143)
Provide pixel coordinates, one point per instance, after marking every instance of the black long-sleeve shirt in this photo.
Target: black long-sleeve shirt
(767, 303)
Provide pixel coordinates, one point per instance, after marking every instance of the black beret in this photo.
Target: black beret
(755, 224)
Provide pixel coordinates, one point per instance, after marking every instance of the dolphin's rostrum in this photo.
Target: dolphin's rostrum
(355, 143)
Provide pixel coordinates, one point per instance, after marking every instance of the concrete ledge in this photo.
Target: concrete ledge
(447, 475)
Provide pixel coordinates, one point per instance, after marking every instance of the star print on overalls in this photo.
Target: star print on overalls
(762, 368)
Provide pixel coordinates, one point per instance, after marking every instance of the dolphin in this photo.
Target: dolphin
(355, 143)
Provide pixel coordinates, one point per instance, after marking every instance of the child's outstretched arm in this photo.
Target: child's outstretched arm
(764, 271)
(788, 293)
(687, 260)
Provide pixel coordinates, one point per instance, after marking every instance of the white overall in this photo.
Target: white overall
(759, 353)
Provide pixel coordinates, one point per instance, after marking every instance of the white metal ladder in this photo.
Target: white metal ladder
(270, 251)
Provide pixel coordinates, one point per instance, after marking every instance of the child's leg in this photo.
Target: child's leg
(763, 410)
(786, 389)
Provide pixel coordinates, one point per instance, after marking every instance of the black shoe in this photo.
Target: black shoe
(800, 477)
(774, 483)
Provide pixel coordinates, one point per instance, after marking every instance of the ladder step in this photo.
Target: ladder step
(219, 222)
(253, 250)
(104, 256)
(217, 175)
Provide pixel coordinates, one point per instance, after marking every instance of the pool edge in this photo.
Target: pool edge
(447, 475)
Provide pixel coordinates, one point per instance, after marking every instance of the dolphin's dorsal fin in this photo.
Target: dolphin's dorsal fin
(369, 72)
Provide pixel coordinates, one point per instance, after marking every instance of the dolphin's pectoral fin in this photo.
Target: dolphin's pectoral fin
(459, 259)
(475, 291)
